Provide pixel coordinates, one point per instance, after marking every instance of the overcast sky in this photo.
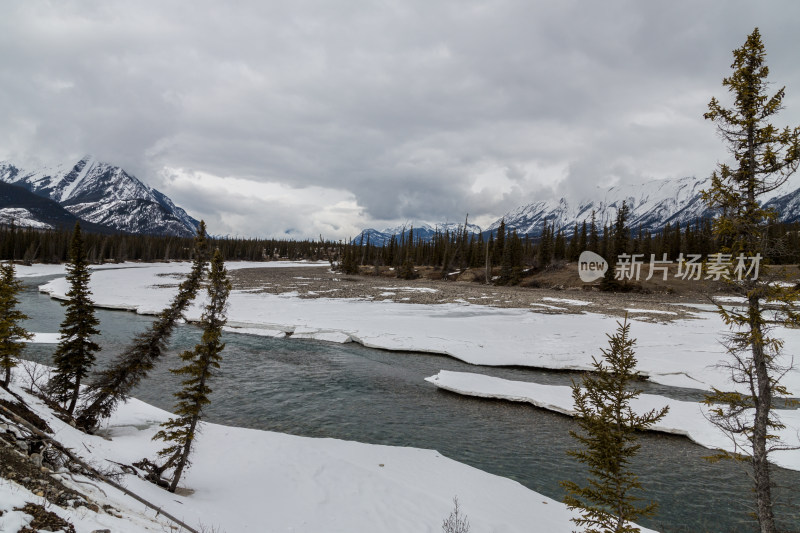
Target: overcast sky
(298, 118)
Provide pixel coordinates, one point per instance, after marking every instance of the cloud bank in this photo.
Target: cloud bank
(300, 118)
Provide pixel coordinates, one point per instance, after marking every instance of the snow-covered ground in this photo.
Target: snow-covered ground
(677, 353)
(248, 480)
(683, 418)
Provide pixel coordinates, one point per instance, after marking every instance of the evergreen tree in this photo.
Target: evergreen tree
(499, 242)
(545, 246)
(11, 332)
(617, 244)
(574, 250)
(608, 503)
(583, 241)
(594, 239)
(74, 356)
(559, 246)
(764, 159)
(511, 266)
(114, 384)
(201, 363)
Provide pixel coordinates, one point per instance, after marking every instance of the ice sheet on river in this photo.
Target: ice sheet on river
(677, 353)
(683, 418)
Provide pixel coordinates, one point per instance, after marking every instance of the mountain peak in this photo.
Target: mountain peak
(104, 194)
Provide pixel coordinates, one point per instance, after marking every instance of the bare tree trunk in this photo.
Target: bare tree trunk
(187, 448)
(763, 404)
(75, 394)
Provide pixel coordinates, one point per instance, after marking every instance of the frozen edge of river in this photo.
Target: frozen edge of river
(684, 418)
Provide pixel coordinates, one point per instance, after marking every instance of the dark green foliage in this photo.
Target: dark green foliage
(594, 239)
(574, 249)
(608, 426)
(11, 332)
(200, 366)
(406, 270)
(74, 355)
(112, 385)
(512, 261)
(764, 159)
(545, 253)
(499, 243)
(349, 260)
(618, 243)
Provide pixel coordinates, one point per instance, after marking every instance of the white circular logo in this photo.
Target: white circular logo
(591, 266)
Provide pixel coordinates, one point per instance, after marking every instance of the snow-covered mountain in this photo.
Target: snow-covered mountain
(787, 206)
(21, 207)
(652, 205)
(104, 194)
(422, 231)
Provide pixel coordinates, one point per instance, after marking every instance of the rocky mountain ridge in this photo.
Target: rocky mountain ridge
(105, 195)
(652, 205)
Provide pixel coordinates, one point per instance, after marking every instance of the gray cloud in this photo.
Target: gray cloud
(392, 111)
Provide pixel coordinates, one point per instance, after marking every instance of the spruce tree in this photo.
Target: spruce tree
(617, 244)
(765, 157)
(608, 502)
(74, 356)
(11, 332)
(113, 385)
(499, 242)
(201, 363)
(583, 241)
(594, 239)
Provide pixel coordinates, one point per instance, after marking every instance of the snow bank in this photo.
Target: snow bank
(44, 338)
(248, 480)
(681, 353)
(683, 418)
(566, 301)
(39, 269)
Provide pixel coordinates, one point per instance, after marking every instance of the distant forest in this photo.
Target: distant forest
(447, 250)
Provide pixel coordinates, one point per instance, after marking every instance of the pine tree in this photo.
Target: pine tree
(594, 239)
(74, 355)
(114, 384)
(574, 250)
(545, 246)
(583, 241)
(11, 332)
(201, 363)
(617, 244)
(764, 159)
(499, 242)
(608, 503)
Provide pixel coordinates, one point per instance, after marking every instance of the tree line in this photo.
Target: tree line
(513, 253)
(504, 249)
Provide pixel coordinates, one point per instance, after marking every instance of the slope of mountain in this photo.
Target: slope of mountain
(421, 231)
(105, 195)
(652, 205)
(21, 207)
(787, 206)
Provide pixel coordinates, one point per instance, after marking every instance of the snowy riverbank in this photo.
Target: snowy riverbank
(683, 418)
(248, 480)
(676, 353)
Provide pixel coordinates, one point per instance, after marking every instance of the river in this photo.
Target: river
(347, 391)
